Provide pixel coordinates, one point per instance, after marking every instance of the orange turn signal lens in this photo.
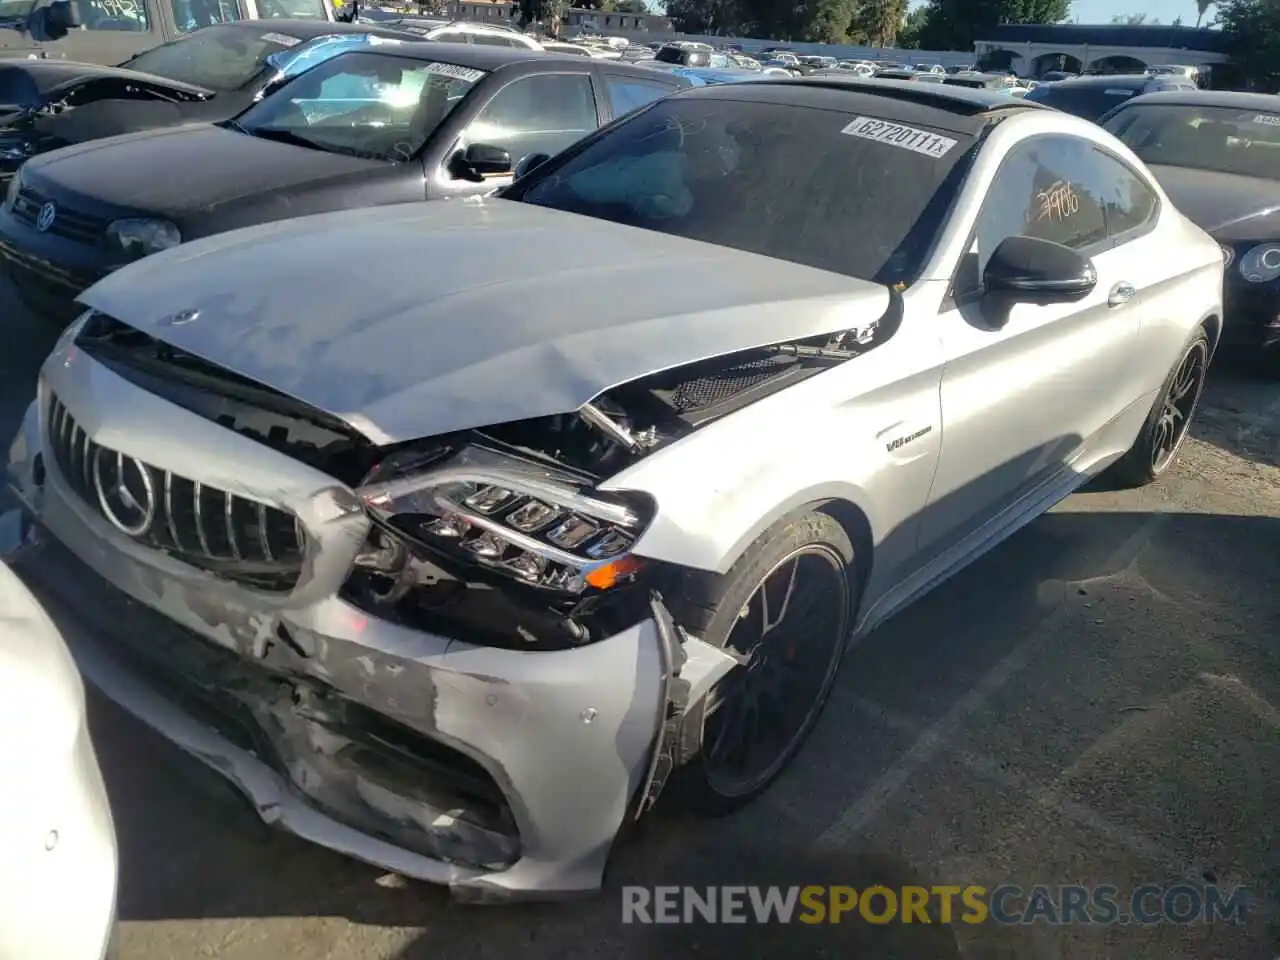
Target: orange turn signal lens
(614, 571)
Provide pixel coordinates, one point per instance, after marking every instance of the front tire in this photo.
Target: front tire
(785, 609)
(1169, 421)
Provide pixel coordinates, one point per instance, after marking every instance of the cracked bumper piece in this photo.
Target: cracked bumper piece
(525, 803)
(505, 774)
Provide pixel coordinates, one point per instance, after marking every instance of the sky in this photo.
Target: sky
(1101, 11)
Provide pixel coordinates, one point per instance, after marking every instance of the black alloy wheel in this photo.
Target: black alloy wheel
(787, 637)
(1179, 404)
(1168, 424)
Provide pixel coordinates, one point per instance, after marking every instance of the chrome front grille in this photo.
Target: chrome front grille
(67, 223)
(233, 536)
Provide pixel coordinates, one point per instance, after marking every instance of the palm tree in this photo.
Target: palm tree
(1202, 7)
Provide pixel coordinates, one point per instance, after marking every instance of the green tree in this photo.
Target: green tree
(1134, 19)
(1252, 28)
(705, 16)
(549, 13)
(912, 26)
(955, 24)
(878, 23)
(825, 21)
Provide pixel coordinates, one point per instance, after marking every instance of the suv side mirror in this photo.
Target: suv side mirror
(531, 163)
(52, 21)
(482, 160)
(1031, 270)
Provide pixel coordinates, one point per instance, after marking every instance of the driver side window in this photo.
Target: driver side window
(191, 15)
(1047, 188)
(129, 16)
(539, 114)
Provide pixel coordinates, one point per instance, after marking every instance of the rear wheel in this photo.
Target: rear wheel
(1169, 422)
(785, 611)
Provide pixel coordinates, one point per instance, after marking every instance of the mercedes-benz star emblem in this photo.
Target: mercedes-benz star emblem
(126, 492)
(48, 213)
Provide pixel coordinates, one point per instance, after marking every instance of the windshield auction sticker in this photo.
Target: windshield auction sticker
(282, 39)
(453, 70)
(1267, 119)
(899, 135)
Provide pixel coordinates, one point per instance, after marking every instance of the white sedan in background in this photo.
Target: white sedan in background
(57, 840)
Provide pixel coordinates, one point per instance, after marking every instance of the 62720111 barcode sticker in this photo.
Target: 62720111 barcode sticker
(282, 39)
(1267, 119)
(898, 135)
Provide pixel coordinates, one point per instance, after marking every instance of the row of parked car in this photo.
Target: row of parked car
(450, 558)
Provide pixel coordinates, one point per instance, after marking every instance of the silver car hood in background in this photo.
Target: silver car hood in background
(420, 319)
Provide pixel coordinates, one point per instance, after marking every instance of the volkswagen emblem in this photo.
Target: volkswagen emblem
(181, 318)
(126, 492)
(48, 213)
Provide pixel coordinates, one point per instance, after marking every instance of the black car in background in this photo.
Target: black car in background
(1217, 155)
(1090, 97)
(110, 31)
(379, 125)
(210, 74)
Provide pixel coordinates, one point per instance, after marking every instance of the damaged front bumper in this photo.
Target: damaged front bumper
(504, 774)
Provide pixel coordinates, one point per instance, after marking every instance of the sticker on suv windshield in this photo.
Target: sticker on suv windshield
(898, 135)
(1268, 119)
(470, 74)
(281, 38)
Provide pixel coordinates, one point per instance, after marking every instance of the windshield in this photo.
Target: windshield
(1223, 139)
(216, 58)
(854, 195)
(364, 104)
(15, 9)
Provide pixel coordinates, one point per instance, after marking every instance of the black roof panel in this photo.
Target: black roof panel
(960, 109)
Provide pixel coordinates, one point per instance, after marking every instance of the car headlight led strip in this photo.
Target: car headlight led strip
(515, 517)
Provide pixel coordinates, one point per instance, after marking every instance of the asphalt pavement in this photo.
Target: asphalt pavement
(1097, 701)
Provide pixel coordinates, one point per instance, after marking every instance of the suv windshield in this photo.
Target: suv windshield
(372, 105)
(855, 195)
(217, 58)
(15, 9)
(1224, 139)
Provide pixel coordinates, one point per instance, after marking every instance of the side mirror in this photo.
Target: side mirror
(1030, 270)
(482, 160)
(53, 21)
(531, 163)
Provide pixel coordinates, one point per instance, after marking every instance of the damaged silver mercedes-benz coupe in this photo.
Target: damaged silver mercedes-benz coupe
(454, 535)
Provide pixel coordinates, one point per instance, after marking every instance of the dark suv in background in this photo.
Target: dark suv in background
(1091, 97)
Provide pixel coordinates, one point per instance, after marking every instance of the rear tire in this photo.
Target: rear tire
(786, 608)
(1169, 421)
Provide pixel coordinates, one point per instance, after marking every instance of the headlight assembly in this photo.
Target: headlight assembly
(512, 516)
(1261, 264)
(142, 237)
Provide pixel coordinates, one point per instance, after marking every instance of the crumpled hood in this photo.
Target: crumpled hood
(1228, 206)
(418, 319)
(155, 171)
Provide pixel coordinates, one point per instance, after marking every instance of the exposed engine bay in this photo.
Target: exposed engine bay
(94, 108)
(498, 532)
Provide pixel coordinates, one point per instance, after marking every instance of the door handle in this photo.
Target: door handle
(1121, 294)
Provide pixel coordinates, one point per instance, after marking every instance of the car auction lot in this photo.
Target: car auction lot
(1095, 702)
